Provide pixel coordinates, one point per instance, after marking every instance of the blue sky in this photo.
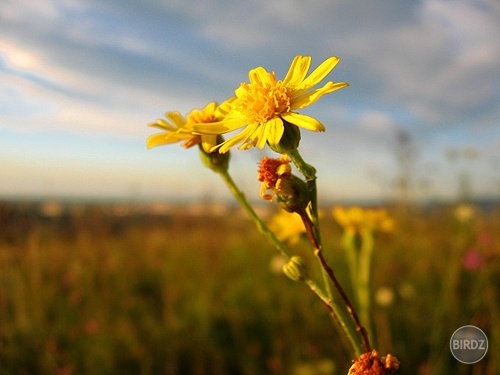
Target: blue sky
(80, 79)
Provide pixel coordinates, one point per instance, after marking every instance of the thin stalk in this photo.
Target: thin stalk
(327, 301)
(357, 335)
(240, 197)
(364, 276)
(309, 173)
(347, 316)
(352, 260)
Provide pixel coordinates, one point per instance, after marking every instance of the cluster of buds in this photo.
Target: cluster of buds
(214, 160)
(289, 190)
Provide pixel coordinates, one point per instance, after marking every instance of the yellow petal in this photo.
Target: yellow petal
(304, 121)
(274, 130)
(259, 76)
(208, 142)
(224, 108)
(238, 138)
(163, 125)
(176, 118)
(210, 108)
(259, 137)
(298, 70)
(220, 127)
(165, 139)
(313, 96)
(255, 137)
(320, 72)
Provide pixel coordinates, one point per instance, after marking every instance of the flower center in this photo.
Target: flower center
(263, 100)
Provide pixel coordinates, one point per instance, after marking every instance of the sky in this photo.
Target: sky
(81, 79)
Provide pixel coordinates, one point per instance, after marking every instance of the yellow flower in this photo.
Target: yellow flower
(380, 221)
(355, 219)
(265, 103)
(287, 226)
(176, 128)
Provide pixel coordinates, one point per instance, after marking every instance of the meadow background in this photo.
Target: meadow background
(153, 289)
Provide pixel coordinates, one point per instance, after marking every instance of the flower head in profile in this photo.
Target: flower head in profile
(265, 105)
(175, 128)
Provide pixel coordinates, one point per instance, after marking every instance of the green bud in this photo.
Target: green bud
(293, 194)
(289, 140)
(296, 269)
(214, 160)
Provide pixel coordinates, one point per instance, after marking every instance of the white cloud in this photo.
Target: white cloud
(15, 10)
(54, 99)
(440, 65)
(378, 122)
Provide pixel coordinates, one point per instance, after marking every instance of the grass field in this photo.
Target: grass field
(89, 292)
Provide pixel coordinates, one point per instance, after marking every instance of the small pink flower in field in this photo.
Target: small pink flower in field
(473, 260)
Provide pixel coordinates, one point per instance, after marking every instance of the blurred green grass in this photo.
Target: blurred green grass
(92, 293)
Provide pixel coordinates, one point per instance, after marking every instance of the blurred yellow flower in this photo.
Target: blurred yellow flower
(465, 212)
(264, 103)
(355, 219)
(176, 128)
(287, 227)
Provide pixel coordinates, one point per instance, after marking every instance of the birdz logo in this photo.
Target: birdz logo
(469, 344)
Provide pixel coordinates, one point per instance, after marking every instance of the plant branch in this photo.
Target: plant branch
(240, 197)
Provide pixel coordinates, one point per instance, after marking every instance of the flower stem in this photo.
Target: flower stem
(240, 197)
(351, 252)
(359, 259)
(347, 317)
(354, 331)
(309, 173)
(363, 282)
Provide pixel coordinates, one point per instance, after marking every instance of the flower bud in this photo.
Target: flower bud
(296, 269)
(293, 194)
(289, 140)
(215, 160)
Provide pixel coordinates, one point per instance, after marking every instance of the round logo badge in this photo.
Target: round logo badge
(469, 344)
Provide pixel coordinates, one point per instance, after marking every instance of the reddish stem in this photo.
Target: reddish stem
(317, 251)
